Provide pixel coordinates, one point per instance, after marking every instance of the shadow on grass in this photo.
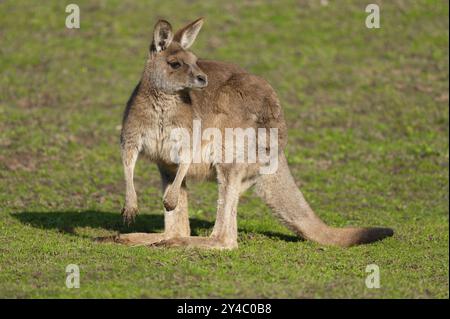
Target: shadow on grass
(67, 221)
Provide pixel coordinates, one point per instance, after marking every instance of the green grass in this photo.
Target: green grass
(367, 111)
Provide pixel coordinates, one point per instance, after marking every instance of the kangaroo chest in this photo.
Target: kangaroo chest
(159, 134)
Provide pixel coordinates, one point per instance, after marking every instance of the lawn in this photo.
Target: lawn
(368, 118)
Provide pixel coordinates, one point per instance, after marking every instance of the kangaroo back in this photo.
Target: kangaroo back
(281, 194)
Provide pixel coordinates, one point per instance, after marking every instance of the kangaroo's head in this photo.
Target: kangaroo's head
(171, 66)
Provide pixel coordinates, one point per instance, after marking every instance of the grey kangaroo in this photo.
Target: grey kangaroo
(176, 88)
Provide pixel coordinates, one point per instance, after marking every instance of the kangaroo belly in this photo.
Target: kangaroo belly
(160, 147)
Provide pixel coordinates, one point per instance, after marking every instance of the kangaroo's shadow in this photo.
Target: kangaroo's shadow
(68, 221)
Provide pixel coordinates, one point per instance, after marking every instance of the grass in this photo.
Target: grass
(367, 111)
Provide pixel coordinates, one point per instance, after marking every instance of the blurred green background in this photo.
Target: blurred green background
(367, 111)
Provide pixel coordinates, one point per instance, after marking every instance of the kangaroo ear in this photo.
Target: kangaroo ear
(162, 36)
(186, 36)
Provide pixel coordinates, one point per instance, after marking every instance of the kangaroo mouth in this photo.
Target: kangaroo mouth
(198, 88)
(199, 84)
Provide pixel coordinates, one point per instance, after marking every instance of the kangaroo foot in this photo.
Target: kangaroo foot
(138, 239)
(195, 242)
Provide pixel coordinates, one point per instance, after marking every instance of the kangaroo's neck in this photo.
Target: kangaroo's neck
(158, 99)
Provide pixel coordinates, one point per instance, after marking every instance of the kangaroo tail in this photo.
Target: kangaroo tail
(281, 194)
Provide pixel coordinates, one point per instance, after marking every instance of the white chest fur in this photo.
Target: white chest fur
(156, 138)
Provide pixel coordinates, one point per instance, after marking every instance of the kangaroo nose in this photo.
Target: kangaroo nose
(202, 79)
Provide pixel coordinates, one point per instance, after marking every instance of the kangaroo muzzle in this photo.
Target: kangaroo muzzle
(200, 80)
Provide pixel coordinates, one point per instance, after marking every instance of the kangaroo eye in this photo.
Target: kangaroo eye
(174, 65)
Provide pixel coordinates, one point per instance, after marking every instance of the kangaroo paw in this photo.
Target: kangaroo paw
(129, 214)
(170, 199)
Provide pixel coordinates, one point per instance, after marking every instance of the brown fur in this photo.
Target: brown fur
(175, 89)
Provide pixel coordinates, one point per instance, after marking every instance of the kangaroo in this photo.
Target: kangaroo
(176, 88)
